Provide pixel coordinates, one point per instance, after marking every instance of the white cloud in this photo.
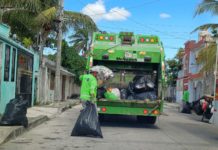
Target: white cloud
(97, 11)
(165, 16)
(117, 13)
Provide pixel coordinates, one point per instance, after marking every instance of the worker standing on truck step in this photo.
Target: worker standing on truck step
(88, 90)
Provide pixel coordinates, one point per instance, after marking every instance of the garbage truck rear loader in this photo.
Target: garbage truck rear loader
(137, 62)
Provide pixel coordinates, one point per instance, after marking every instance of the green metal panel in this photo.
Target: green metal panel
(127, 111)
(127, 107)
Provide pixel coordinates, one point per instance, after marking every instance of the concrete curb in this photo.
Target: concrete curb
(11, 132)
(69, 106)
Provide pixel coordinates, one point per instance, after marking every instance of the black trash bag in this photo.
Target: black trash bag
(15, 113)
(130, 97)
(186, 108)
(151, 95)
(130, 89)
(139, 83)
(100, 92)
(123, 94)
(197, 108)
(87, 123)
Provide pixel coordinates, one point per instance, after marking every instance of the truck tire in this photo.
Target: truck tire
(146, 119)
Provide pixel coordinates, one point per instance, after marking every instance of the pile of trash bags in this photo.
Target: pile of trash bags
(186, 108)
(104, 73)
(141, 88)
(87, 123)
(203, 106)
(15, 113)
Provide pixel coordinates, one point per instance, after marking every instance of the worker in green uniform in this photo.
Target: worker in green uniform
(186, 105)
(185, 97)
(88, 90)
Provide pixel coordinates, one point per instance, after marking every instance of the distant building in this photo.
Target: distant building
(18, 70)
(190, 77)
(47, 83)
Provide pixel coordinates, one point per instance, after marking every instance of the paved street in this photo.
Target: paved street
(173, 131)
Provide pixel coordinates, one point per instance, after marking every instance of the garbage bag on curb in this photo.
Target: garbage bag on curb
(87, 123)
(15, 113)
(186, 108)
(197, 108)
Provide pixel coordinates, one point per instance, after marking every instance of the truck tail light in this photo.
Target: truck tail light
(145, 111)
(101, 37)
(142, 40)
(155, 112)
(111, 38)
(103, 109)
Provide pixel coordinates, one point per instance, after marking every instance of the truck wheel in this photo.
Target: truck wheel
(146, 119)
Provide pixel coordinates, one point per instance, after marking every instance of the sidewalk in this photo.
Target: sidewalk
(177, 107)
(36, 115)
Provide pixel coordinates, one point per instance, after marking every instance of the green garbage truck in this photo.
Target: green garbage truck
(130, 56)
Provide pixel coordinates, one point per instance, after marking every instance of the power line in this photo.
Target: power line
(131, 7)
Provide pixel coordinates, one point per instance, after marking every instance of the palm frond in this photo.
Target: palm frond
(74, 19)
(207, 57)
(207, 6)
(46, 16)
(33, 5)
(206, 27)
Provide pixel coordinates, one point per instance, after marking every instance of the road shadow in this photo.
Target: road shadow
(124, 121)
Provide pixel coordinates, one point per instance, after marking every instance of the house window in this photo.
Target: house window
(13, 65)
(7, 63)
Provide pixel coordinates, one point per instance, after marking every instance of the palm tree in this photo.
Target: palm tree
(207, 6)
(42, 19)
(209, 51)
(207, 56)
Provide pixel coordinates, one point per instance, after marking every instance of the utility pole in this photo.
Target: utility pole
(57, 94)
(214, 118)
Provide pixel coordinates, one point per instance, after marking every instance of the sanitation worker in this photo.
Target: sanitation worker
(185, 97)
(186, 104)
(88, 90)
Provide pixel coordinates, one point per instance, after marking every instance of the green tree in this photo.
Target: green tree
(71, 60)
(174, 65)
(29, 18)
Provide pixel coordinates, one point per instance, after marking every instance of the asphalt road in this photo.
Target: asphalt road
(173, 131)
